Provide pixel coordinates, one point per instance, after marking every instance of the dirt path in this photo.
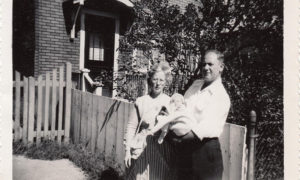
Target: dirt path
(32, 169)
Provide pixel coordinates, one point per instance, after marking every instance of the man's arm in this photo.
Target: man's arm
(211, 122)
(213, 119)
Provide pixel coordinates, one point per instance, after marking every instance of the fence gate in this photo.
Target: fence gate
(42, 106)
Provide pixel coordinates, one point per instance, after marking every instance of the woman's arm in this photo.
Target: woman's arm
(130, 131)
(131, 126)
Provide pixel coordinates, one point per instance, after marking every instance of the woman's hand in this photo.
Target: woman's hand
(163, 111)
(127, 159)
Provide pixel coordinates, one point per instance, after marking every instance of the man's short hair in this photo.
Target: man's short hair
(220, 56)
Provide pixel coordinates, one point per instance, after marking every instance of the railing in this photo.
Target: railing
(42, 107)
(86, 78)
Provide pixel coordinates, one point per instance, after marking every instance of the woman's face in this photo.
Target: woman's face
(158, 82)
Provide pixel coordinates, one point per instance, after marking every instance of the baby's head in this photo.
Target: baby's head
(177, 101)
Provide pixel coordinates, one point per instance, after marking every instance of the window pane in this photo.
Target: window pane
(91, 47)
(96, 47)
(101, 52)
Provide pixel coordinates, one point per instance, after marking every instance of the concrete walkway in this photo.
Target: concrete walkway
(32, 169)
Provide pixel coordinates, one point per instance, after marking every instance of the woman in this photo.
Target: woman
(156, 160)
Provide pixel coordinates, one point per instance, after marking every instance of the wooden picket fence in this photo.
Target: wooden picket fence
(234, 152)
(42, 107)
(100, 122)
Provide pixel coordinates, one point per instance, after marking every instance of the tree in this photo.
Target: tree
(250, 33)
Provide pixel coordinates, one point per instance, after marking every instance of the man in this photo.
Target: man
(199, 150)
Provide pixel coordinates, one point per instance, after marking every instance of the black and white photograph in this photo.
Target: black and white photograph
(147, 90)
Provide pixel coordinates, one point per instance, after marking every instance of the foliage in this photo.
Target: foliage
(260, 89)
(254, 86)
(231, 27)
(248, 32)
(251, 36)
(93, 164)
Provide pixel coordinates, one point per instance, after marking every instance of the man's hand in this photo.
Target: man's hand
(127, 159)
(187, 137)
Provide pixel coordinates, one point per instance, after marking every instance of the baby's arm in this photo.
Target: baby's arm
(164, 120)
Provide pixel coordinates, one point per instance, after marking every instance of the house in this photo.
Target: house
(83, 32)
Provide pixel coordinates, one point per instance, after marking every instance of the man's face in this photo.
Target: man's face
(212, 67)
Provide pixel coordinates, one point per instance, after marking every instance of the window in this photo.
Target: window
(96, 47)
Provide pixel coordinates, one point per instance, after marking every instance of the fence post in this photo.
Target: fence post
(251, 146)
(98, 89)
(17, 124)
(31, 109)
(68, 101)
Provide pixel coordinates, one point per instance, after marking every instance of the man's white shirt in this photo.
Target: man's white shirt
(209, 107)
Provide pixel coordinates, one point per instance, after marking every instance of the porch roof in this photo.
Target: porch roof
(72, 10)
(128, 3)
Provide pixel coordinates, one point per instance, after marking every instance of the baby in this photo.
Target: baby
(178, 116)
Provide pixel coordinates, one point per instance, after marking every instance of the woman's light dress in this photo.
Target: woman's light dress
(157, 161)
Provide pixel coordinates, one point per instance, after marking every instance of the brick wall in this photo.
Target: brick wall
(52, 46)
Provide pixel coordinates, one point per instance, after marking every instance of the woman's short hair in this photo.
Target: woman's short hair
(161, 66)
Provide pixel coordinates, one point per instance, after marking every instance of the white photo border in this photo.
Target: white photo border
(6, 89)
(291, 89)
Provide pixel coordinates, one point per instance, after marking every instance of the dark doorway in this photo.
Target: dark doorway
(99, 50)
(23, 37)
